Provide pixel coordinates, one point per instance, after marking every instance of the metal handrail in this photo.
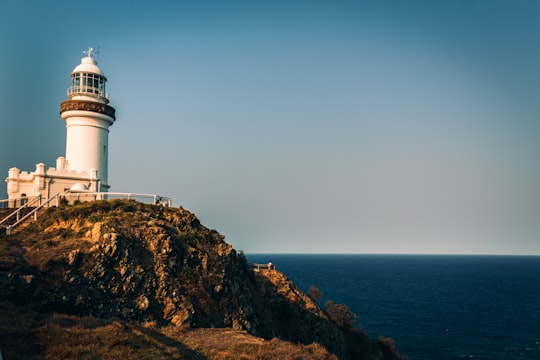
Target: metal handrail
(5, 204)
(9, 228)
(18, 211)
(87, 90)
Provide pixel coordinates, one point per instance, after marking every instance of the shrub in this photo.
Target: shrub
(341, 314)
(314, 293)
(389, 349)
(95, 218)
(63, 201)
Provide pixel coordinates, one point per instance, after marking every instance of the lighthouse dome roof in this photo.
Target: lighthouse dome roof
(88, 64)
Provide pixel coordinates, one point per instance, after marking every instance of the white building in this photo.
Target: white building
(88, 117)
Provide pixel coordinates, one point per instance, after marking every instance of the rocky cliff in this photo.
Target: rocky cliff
(147, 264)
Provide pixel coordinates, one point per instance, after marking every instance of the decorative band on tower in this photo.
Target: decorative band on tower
(85, 105)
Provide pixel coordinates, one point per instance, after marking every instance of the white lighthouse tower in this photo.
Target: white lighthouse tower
(88, 118)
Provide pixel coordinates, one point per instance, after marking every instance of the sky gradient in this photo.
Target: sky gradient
(300, 126)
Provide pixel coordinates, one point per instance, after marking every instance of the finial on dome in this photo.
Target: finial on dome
(90, 52)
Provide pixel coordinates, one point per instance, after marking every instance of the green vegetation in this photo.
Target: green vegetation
(389, 348)
(314, 293)
(341, 314)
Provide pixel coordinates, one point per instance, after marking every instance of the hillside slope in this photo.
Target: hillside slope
(153, 266)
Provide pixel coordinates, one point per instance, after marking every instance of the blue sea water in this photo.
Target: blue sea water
(433, 306)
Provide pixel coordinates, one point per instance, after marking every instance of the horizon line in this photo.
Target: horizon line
(391, 254)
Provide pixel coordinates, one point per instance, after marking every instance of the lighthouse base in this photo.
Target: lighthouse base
(49, 182)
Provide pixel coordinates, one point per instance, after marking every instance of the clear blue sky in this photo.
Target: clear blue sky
(301, 126)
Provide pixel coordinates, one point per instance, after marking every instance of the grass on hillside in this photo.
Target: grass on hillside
(27, 335)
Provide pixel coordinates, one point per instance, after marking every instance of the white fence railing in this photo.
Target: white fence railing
(259, 267)
(18, 202)
(35, 203)
(93, 196)
(85, 90)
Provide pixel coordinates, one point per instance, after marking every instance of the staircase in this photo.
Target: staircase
(23, 214)
(11, 216)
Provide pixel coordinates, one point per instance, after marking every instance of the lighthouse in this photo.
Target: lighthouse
(88, 118)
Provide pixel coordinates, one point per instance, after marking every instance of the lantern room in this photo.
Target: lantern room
(88, 81)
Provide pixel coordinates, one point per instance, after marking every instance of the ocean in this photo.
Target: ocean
(433, 306)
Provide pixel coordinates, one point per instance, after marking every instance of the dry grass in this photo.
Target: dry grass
(16, 338)
(64, 337)
(28, 335)
(229, 344)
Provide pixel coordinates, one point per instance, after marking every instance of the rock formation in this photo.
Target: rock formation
(155, 265)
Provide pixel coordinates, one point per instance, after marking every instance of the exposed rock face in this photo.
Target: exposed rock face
(132, 261)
